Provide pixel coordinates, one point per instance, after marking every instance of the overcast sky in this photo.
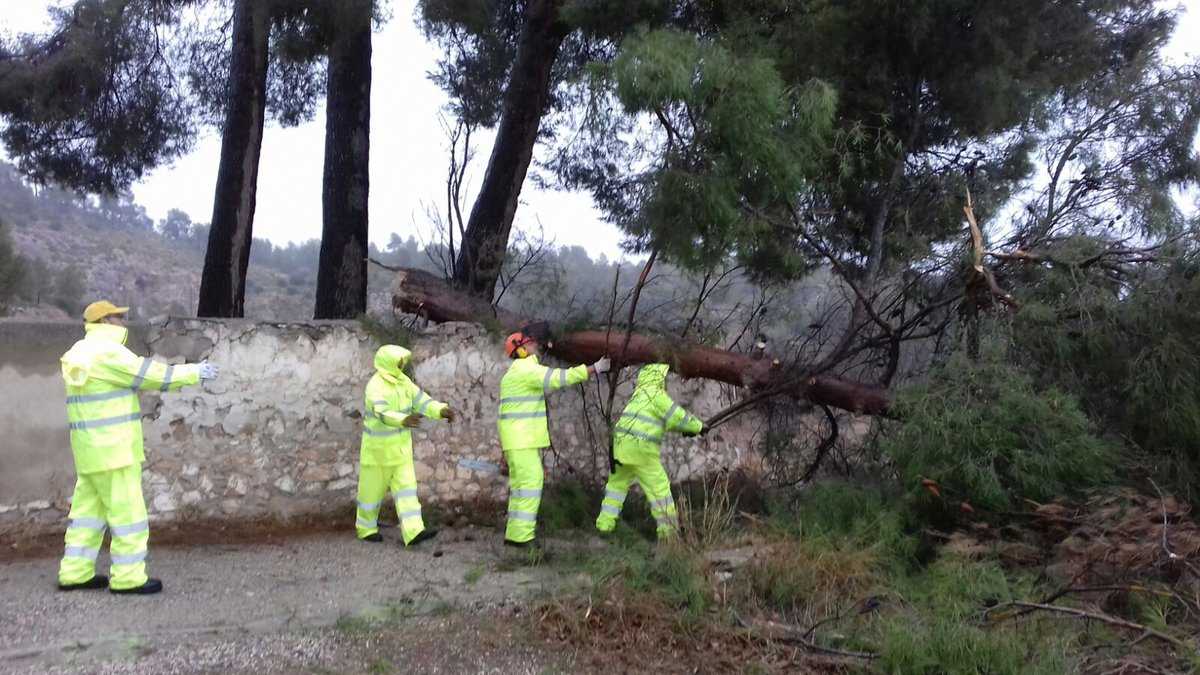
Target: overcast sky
(408, 151)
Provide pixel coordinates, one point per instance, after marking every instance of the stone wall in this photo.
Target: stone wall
(278, 433)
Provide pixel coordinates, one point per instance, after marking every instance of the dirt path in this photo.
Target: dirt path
(302, 604)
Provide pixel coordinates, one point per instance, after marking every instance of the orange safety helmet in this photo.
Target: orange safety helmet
(514, 343)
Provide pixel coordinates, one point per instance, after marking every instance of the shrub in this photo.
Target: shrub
(987, 435)
(1131, 355)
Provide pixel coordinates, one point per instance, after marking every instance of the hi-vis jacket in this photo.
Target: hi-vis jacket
(523, 389)
(649, 414)
(103, 378)
(391, 397)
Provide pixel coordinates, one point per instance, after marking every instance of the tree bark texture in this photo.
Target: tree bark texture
(223, 283)
(486, 239)
(342, 274)
(421, 293)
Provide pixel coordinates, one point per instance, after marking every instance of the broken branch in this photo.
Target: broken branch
(422, 293)
(1097, 616)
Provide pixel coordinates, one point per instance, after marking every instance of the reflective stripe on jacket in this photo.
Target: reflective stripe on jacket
(102, 380)
(523, 389)
(649, 414)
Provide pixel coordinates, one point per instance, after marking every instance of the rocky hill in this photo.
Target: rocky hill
(76, 249)
(151, 274)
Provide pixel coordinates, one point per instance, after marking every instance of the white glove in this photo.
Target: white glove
(208, 371)
(603, 365)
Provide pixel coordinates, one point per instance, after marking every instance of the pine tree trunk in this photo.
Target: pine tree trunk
(342, 275)
(223, 284)
(486, 238)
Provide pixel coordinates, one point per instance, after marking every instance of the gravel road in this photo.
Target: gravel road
(325, 604)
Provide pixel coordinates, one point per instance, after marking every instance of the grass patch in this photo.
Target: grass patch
(473, 575)
(672, 572)
(933, 623)
(348, 624)
(391, 613)
(707, 513)
(677, 574)
(804, 583)
(381, 667)
(942, 644)
(513, 559)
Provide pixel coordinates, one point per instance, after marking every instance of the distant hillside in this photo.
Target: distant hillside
(79, 249)
(112, 249)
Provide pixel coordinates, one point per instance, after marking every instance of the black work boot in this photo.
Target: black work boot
(374, 538)
(97, 581)
(151, 587)
(424, 535)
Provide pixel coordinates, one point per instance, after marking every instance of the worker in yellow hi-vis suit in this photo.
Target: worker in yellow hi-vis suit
(524, 431)
(102, 379)
(394, 407)
(637, 437)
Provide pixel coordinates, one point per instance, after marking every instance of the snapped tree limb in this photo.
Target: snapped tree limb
(423, 294)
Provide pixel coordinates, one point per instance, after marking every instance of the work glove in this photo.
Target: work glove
(411, 422)
(208, 371)
(603, 365)
(448, 414)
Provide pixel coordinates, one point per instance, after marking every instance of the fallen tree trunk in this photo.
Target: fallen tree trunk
(423, 294)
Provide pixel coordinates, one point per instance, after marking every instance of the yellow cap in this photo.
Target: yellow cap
(98, 310)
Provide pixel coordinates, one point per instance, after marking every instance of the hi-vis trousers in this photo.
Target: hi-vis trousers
(525, 478)
(651, 475)
(374, 482)
(107, 500)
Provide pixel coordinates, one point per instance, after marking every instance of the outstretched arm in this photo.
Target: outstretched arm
(123, 368)
(679, 419)
(554, 379)
(424, 405)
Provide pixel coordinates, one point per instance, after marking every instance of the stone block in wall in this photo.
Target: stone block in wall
(343, 484)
